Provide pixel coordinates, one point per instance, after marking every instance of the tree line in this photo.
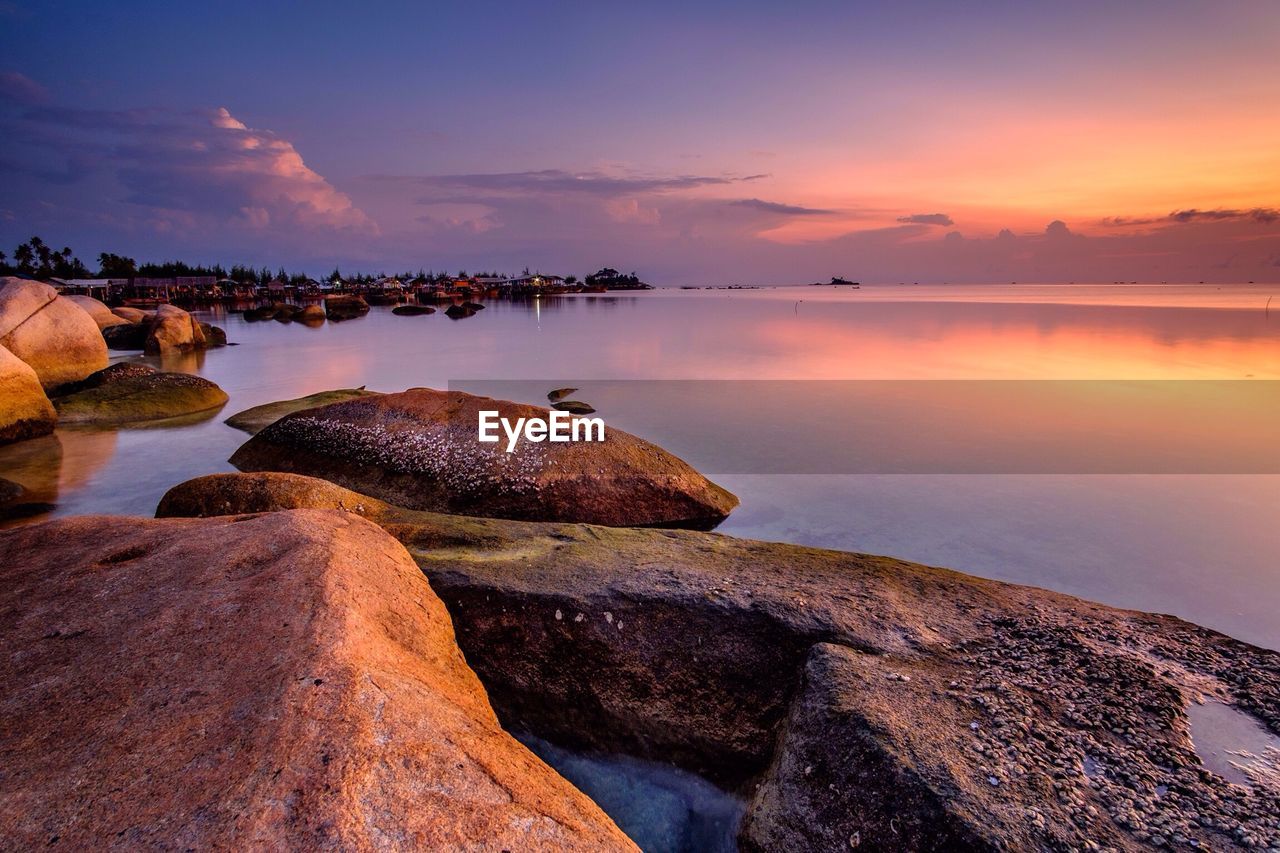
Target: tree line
(37, 259)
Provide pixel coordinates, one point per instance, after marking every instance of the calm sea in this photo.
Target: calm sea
(1170, 514)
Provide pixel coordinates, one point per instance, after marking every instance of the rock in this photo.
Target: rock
(287, 313)
(56, 337)
(412, 310)
(174, 330)
(473, 306)
(259, 418)
(129, 336)
(112, 373)
(138, 397)
(214, 336)
(262, 312)
(575, 407)
(311, 315)
(457, 312)
(270, 491)
(418, 449)
(17, 503)
(285, 681)
(101, 314)
(133, 315)
(339, 308)
(559, 394)
(840, 691)
(25, 411)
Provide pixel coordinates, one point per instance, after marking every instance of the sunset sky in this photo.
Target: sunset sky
(705, 143)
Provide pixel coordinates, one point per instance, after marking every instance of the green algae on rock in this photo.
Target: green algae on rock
(258, 418)
(137, 394)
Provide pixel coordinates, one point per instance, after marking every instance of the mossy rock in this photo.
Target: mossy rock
(259, 418)
(140, 398)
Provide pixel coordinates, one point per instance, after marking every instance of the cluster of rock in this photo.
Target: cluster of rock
(854, 701)
(167, 329)
(53, 362)
(283, 661)
(281, 312)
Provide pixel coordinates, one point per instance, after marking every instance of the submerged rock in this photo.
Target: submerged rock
(457, 312)
(419, 449)
(412, 310)
(287, 681)
(25, 411)
(55, 336)
(258, 418)
(854, 698)
(135, 393)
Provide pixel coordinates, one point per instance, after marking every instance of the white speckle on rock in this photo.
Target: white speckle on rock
(559, 615)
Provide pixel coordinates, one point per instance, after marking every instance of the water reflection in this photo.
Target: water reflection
(54, 465)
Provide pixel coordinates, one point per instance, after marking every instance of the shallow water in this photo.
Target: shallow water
(1161, 536)
(661, 808)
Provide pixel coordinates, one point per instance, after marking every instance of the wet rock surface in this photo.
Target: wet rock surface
(137, 393)
(286, 681)
(258, 418)
(418, 449)
(858, 701)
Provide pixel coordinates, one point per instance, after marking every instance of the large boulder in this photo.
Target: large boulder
(101, 314)
(286, 681)
(419, 449)
(859, 701)
(133, 315)
(174, 330)
(338, 308)
(258, 418)
(52, 334)
(25, 411)
(136, 393)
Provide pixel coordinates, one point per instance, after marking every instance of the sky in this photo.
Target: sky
(694, 143)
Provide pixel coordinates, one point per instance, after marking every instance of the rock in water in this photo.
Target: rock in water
(127, 336)
(575, 407)
(137, 395)
(311, 315)
(419, 449)
(339, 308)
(101, 314)
(559, 394)
(174, 330)
(25, 411)
(56, 337)
(287, 681)
(214, 336)
(457, 312)
(254, 420)
(412, 310)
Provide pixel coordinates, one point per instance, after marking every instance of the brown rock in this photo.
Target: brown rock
(339, 308)
(311, 314)
(101, 314)
(56, 337)
(419, 449)
(126, 336)
(173, 330)
(25, 411)
(286, 681)
(859, 701)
